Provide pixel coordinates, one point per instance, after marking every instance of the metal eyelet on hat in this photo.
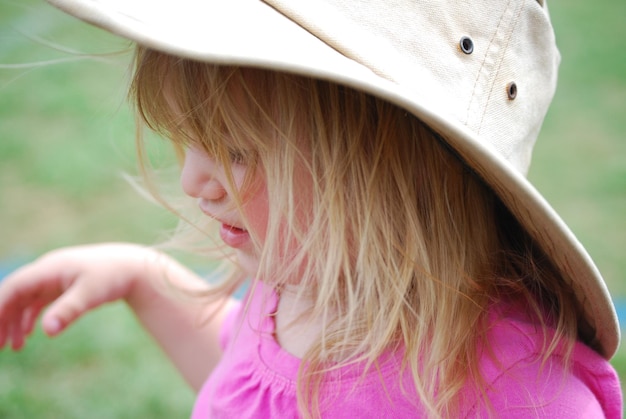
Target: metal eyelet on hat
(466, 44)
(511, 90)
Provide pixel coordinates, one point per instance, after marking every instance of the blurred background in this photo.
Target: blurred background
(66, 140)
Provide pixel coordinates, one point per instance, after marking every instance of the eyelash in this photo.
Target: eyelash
(236, 157)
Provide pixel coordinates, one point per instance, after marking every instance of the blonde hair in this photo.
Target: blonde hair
(401, 244)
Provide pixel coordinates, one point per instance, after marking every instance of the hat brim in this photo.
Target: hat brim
(236, 33)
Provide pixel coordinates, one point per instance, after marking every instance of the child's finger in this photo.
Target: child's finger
(28, 285)
(4, 329)
(23, 295)
(17, 337)
(10, 321)
(3, 336)
(66, 309)
(29, 317)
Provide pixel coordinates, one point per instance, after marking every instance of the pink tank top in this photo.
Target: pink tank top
(256, 378)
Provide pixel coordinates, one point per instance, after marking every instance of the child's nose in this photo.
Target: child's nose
(197, 177)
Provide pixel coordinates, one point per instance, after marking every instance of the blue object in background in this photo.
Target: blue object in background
(620, 307)
(8, 266)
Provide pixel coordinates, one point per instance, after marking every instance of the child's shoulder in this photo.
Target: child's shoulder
(521, 381)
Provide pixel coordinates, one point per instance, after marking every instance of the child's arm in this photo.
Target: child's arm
(76, 280)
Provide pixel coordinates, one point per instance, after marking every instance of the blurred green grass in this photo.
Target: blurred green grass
(66, 138)
(66, 135)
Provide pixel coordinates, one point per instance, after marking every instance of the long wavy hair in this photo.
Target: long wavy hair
(400, 244)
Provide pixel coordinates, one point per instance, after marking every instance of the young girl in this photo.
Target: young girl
(364, 165)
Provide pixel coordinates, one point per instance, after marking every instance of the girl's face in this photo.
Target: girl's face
(204, 178)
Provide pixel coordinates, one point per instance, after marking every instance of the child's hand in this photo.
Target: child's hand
(73, 280)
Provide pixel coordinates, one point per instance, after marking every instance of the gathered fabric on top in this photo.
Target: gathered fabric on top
(256, 378)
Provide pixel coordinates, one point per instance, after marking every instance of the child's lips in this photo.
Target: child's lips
(234, 236)
(231, 235)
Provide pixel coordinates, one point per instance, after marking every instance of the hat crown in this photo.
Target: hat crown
(489, 66)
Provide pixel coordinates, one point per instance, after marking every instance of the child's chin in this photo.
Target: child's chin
(248, 262)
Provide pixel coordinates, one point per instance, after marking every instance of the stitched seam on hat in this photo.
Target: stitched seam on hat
(506, 44)
(294, 13)
(482, 65)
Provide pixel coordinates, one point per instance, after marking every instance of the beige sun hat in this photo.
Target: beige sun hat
(481, 73)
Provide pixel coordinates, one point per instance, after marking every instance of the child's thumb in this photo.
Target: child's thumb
(64, 311)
